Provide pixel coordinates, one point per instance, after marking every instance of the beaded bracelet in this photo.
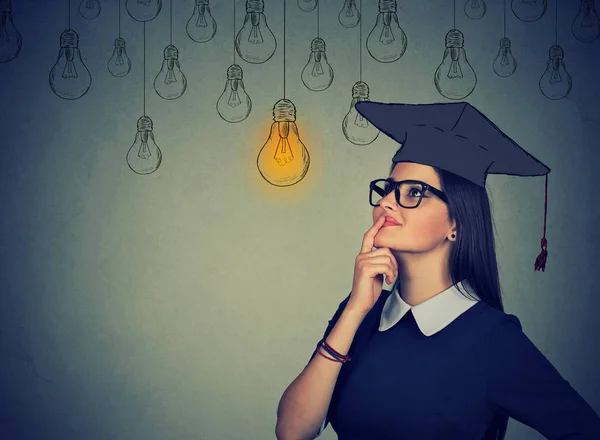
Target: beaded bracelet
(338, 357)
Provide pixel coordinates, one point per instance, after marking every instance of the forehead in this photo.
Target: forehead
(415, 171)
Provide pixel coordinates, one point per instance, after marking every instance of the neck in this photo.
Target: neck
(421, 277)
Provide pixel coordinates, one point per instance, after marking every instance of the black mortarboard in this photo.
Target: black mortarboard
(455, 137)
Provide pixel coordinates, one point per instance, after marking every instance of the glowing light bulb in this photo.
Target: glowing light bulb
(555, 83)
(170, 83)
(144, 156)
(10, 38)
(529, 10)
(349, 16)
(454, 77)
(356, 128)
(317, 75)
(387, 41)
(586, 26)
(89, 9)
(201, 27)
(255, 42)
(283, 160)
(307, 5)
(234, 104)
(69, 77)
(119, 64)
(475, 9)
(505, 64)
(143, 10)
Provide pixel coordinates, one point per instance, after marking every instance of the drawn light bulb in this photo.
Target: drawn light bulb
(234, 104)
(387, 41)
(283, 160)
(255, 42)
(455, 78)
(143, 10)
(119, 64)
(505, 64)
(10, 38)
(307, 5)
(170, 83)
(89, 9)
(69, 77)
(317, 75)
(355, 127)
(555, 83)
(144, 156)
(349, 15)
(586, 26)
(475, 9)
(529, 10)
(201, 27)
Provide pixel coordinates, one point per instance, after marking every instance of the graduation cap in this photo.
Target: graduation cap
(455, 137)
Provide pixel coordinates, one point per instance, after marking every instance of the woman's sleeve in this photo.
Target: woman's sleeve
(524, 385)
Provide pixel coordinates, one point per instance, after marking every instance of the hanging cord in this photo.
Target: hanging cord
(144, 68)
(284, 2)
(360, 42)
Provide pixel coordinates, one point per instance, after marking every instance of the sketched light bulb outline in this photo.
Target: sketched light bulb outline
(317, 75)
(143, 10)
(255, 43)
(201, 27)
(504, 63)
(555, 82)
(529, 10)
(283, 160)
(475, 9)
(234, 104)
(10, 38)
(119, 64)
(307, 5)
(69, 77)
(349, 16)
(170, 83)
(355, 127)
(586, 26)
(387, 41)
(89, 9)
(455, 78)
(144, 156)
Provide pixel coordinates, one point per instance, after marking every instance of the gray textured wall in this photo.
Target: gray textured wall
(180, 305)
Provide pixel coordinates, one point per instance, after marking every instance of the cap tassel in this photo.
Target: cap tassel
(540, 261)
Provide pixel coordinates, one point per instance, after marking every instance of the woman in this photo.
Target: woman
(435, 357)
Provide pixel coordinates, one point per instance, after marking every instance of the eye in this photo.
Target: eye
(412, 190)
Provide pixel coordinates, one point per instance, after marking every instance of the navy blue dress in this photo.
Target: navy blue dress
(403, 385)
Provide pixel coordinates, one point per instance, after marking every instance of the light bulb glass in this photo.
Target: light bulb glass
(475, 9)
(283, 160)
(455, 78)
(10, 38)
(349, 16)
(69, 77)
(255, 43)
(317, 75)
(119, 64)
(307, 5)
(234, 104)
(586, 26)
(201, 27)
(170, 83)
(143, 10)
(387, 41)
(357, 129)
(529, 10)
(505, 64)
(555, 82)
(89, 9)
(144, 156)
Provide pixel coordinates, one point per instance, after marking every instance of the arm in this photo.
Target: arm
(302, 411)
(524, 385)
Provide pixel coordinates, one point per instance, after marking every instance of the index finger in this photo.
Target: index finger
(369, 238)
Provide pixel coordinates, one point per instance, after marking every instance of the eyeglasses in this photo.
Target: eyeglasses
(409, 193)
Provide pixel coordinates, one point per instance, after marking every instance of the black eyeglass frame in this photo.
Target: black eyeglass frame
(396, 185)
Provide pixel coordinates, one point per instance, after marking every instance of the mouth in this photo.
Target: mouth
(390, 222)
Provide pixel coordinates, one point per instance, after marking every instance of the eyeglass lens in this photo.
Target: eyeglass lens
(410, 193)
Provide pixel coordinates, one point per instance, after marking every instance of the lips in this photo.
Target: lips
(391, 221)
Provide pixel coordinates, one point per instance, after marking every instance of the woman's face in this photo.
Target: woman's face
(420, 229)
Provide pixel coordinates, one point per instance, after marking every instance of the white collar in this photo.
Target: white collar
(431, 315)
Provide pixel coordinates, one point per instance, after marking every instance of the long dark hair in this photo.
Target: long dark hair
(473, 255)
